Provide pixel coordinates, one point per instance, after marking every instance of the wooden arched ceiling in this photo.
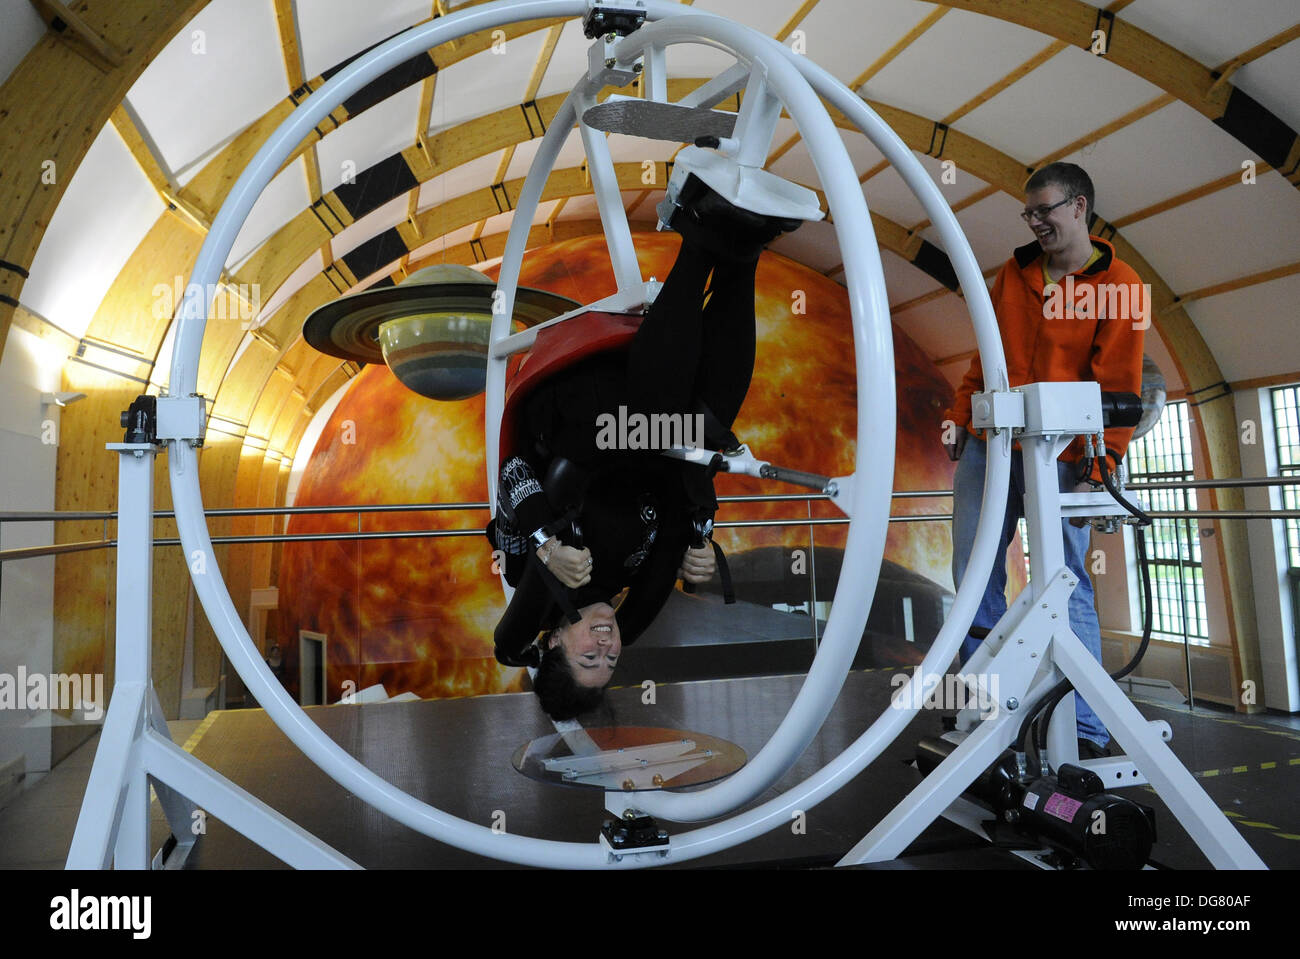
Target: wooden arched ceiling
(58, 120)
(172, 242)
(1207, 91)
(61, 122)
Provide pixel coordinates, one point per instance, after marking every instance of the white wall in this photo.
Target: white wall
(1277, 631)
(27, 466)
(22, 28)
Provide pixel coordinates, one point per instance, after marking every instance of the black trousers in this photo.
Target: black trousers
(696, 343)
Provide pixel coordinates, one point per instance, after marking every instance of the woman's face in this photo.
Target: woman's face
(592, 647)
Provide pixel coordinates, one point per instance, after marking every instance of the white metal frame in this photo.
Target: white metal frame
(1033, 646)
(135, 750)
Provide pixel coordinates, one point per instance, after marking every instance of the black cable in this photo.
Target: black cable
(1048, 703)
(1109, 483)
(1064, 686)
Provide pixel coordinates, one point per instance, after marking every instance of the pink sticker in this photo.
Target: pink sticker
(1061, 806)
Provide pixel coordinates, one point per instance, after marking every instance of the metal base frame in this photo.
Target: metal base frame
(136, 751)
(1027, 653)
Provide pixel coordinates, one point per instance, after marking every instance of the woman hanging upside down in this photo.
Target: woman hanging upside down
(578, 521)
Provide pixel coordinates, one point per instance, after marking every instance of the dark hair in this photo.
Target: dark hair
(561, 697)
(1070, 177)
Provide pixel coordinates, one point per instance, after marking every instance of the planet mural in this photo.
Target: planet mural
(417, 615)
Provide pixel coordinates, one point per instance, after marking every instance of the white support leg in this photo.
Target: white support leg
(178, 810)
(115, 811)
(131, 851)
(1177, 787)
(101, 809)
(1015, 665)
(936, 793)
(243, 812)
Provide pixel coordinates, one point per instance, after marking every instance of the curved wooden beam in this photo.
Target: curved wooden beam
(1204, 90)
(53, 106)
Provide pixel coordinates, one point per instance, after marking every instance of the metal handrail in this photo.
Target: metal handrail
(56, 516)
(34, 552)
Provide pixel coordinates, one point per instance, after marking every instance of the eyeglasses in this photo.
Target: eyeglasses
(1041, 212)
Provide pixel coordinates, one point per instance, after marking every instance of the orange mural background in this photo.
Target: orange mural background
(417, 614)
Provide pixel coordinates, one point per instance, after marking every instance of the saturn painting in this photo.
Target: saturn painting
(431, 330)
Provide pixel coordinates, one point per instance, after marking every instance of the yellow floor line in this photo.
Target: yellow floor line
(203, 727)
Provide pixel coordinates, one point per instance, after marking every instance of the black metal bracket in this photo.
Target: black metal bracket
(634, 833)
(605, 20)
(141, 420)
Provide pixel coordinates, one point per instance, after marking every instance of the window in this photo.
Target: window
(1286, 426)
(1173, 545)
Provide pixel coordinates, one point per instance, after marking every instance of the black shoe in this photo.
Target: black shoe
(707, 219)
(1090, 750)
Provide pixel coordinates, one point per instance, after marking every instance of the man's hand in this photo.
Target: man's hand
(1083, 487)
(571, 566)
(698, 564)
(957, 445)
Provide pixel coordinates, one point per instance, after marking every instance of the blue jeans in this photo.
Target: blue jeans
(968, 489)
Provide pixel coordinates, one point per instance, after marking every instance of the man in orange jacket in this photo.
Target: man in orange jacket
(1068, 310)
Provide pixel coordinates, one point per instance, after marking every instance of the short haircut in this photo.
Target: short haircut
(1070, 177)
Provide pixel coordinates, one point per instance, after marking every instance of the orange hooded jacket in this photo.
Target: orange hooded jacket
(1090, 326)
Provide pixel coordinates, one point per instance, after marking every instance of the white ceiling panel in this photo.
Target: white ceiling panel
(105, 212)
(466, 178)
(438, 244)
(568, 62)
(1029, 119)
(1229, 234)
(580, 208)
(993, 228)
(942, 328)
(766, 16)
(498, 224)
(330, 31)
(372, 224)
(697, 60)
(904, 281)
(484, 83)
(544, 211)
(23, 28)
(952, 62)
(797, 164)
(1176, 141)
(625, 149)
(1243, 331)
(375, 135)
(310, 268)
(284, 198)
(1273, 81)
(219, 74)
(813, 245)
(870, 29)
(1211, 31)
(889, 196)
(570, 155)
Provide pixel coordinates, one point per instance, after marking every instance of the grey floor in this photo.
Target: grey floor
(1248, 764)
(36, 827)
